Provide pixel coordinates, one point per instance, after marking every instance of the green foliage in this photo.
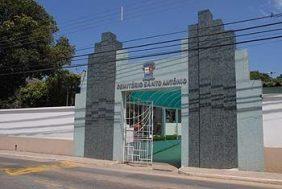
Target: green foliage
(34, 94)
(256, 75)
(62, 87)
(27, 43)
(267, 80)
(57, 90)
(166, 137)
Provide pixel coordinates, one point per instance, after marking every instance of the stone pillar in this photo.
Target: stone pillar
(79, 117)
(249, 117)
(99, 123)
(212, 95)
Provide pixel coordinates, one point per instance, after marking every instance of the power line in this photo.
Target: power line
(150, 55)
(182, 39)
(193, 37)
(172, 33)
(184, 31)
(179, 39)
(237, 22)
(125, 73)
(142, 38)
(208, 35)
(166, 34)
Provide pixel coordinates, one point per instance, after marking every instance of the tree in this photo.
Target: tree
(34, 94)
(57, 90)
(62, 87)
(256, 75)
(27, 43)
(266, 79)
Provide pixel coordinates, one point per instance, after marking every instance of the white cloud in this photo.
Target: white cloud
(277, 4)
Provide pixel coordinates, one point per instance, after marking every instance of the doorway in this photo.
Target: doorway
(152, 126)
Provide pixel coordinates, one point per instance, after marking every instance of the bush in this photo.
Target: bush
(166, 137)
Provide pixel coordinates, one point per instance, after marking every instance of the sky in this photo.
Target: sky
(83, 21)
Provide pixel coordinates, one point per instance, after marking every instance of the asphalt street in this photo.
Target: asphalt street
(27, 174)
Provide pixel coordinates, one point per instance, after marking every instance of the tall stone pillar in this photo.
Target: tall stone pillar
(212, 95)
(99, 123)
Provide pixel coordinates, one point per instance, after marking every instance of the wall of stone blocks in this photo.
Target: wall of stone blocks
(99, 123)
(212, 95)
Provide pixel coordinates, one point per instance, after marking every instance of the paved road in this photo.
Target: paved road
(27, 174)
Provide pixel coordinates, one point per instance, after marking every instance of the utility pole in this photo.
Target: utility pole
(121, 13)
(67, 100)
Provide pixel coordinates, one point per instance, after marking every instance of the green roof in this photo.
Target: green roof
(168, 98)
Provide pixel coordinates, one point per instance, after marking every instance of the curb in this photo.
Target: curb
(231, 177)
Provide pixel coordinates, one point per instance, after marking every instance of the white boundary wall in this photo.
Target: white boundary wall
(44, 123)
(272, 120)
(58, 122)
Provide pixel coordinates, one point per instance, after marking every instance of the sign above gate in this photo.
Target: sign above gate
(153, 84)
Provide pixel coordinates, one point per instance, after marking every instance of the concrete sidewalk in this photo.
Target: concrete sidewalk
(234, 174)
